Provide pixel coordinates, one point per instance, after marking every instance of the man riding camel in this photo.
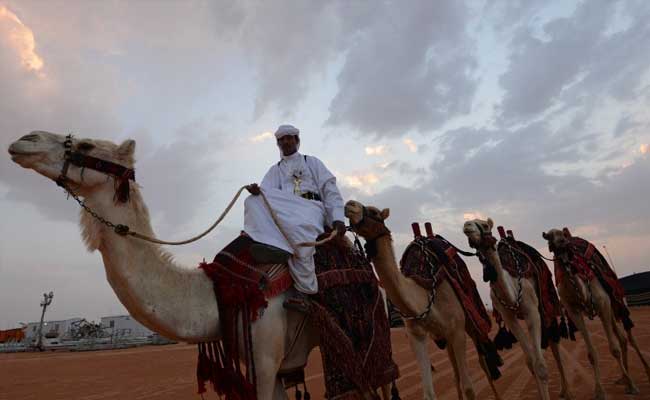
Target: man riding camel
(303, 194)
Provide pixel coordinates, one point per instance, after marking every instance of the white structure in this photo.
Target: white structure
(51, 329)
(124, 326)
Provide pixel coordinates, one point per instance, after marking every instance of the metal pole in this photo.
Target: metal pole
(610, 260)
(47, 300)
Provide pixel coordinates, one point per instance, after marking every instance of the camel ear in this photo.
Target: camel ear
(384, 213)
(127, 148)
(545, 236)
(490, 223)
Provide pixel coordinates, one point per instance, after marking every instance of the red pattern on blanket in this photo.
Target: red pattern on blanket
(417, 261)
(585, 261)
(355, 333)
(241, 288)
(532, 265)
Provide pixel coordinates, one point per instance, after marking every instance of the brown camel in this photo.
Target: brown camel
(445, 320)
(513, 297)
(588, 297)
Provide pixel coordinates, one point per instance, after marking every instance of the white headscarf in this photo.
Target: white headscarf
(284, 130)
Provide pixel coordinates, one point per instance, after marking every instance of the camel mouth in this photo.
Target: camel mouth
(469, 228)
(15, 154)
(348, 210)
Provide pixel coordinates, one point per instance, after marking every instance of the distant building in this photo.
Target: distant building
(637, 289)
(12, 335)
(51, 329)
(124, 326)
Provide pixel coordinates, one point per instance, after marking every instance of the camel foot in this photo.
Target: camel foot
(632, 389)
(621, 381)
(566, 395)
(600, 394)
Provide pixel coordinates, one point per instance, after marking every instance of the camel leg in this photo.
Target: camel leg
(513, 325)
(484, 366)
(578, 320)
(632, 340)
(614, 346)
(385, 392)
(565, 393)
(418, 341)
(620, 336)
(457, 343)
(278, 392)
(452, 359)
(534, 323)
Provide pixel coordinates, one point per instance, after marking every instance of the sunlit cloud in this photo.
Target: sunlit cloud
(362, 182)
(468, 216)
(644, 148)
(376, 150)
(261, 137)
(588, 231)
(411, 145)
(21, 39)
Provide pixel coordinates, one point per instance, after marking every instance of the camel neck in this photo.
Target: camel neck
(176, 302)
(504, 283)
(400, 290)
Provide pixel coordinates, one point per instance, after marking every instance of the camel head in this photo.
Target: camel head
(479, 233)
(45, 153)
(558, 240)
(368, 222)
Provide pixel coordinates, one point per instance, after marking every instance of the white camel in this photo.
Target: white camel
(177, 302)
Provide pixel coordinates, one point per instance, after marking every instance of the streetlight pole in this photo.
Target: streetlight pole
(47, 300)
(610, 259)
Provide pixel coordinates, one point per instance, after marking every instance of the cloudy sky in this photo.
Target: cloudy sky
(532, 112)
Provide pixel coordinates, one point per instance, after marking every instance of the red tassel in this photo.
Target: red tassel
(122, 190)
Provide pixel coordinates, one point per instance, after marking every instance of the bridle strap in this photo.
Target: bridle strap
(67, 145)
(121, 173)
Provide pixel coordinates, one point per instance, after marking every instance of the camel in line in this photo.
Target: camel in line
(446, 319)
(590, 299)
(513, 297)
(177, 302)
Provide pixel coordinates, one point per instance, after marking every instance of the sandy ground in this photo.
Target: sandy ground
(168, 372)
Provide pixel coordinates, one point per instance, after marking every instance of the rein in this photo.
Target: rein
(487, 235)
(122, 175)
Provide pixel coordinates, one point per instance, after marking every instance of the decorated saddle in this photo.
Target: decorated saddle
(350, 313)
(348, 310)
(431, 260)
(585, 261)
(519, 258)
(241, 287)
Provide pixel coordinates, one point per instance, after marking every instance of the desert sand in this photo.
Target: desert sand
(168, 372)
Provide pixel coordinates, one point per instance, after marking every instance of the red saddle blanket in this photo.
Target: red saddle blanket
(434, 260)
(585, 261)
(516, 255)
(354, 329)
(241, 288)
(348, 310)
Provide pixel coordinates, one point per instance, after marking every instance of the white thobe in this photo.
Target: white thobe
(303, 220)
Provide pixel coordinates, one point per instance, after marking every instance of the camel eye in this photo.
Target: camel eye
(85, 146)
